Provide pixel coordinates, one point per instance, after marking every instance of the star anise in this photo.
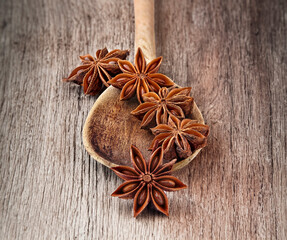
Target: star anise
(141, 78)
(146, 181)
(175, 102)
(95, 72)
(180, 138)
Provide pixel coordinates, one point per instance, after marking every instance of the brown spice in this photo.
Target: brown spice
(146, 182)
(180, 138)
(141, 78)
(96, 72)
(176, 102)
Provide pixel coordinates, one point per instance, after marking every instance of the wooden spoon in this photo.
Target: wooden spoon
(110, 129)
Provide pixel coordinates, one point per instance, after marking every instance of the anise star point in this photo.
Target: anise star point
(139, 78)
(146, 182)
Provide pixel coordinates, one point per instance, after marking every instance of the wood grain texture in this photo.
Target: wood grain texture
(233, 54)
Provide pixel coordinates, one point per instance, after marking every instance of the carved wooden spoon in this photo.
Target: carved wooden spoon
(110, 129)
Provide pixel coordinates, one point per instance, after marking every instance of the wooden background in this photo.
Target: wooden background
(234, 55)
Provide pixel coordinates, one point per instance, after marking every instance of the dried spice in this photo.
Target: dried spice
(180, 138)
(96, 72)
(146, 182)
(141, 78)
(176, 102)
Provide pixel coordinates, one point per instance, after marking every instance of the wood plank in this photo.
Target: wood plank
(233, 54)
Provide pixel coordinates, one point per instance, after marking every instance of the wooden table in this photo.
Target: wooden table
(233, 54)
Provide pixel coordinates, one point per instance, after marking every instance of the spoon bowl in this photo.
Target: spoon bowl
(108, 139)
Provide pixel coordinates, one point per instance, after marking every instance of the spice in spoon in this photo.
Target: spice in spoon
(160, 106)
(141, 78)
(180, 138)
(146, 182)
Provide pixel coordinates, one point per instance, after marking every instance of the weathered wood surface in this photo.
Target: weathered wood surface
(233, 54)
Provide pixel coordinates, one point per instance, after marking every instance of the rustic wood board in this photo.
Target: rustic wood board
(233, 54)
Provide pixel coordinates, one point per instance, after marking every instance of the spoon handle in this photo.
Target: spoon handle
(144, 28)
